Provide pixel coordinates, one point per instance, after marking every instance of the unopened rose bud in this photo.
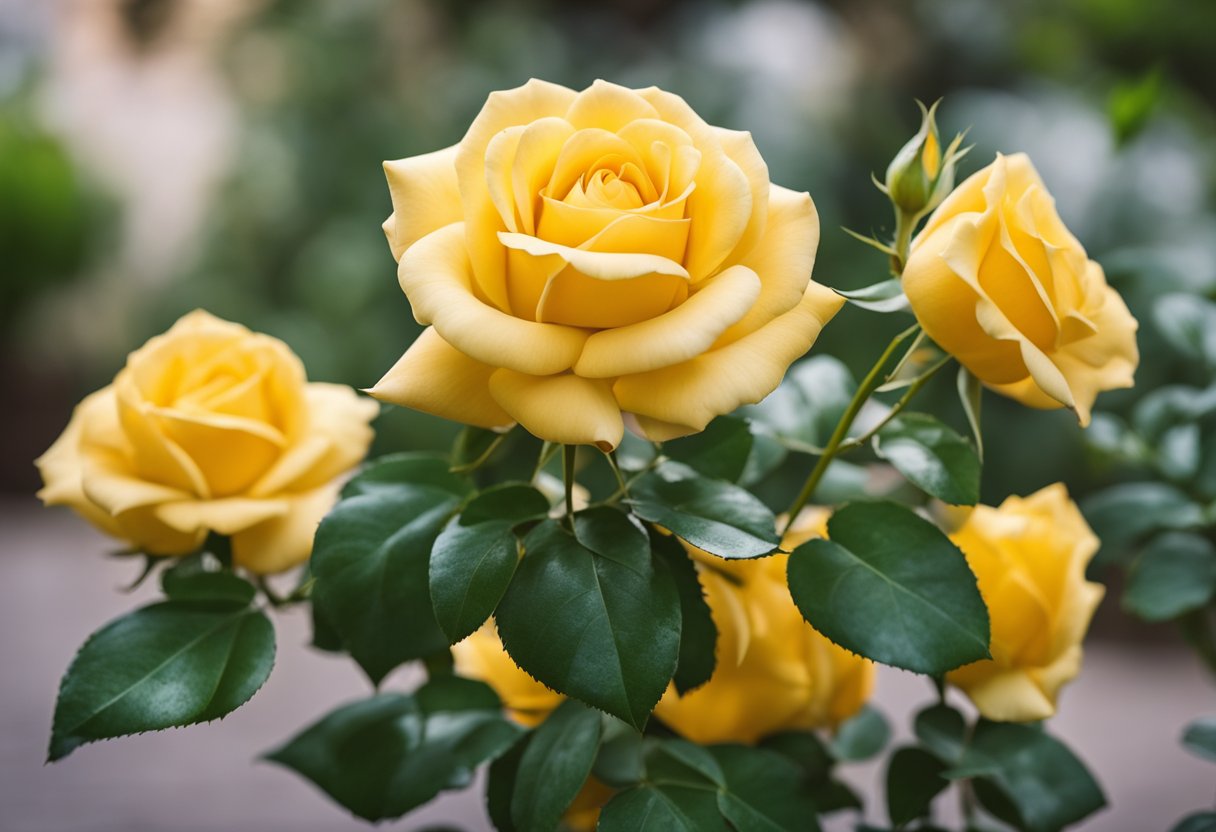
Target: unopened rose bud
(920, 175)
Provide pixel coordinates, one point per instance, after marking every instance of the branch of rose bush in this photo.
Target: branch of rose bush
(874, 378)
(897, 408)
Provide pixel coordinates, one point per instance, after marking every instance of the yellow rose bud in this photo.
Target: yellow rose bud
(998, 281)
(920, 175)
(210, 428)
(1029, 556)
(584, 255)
(481, 656)
(775, 672)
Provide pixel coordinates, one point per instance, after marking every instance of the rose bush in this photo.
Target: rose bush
(998, 281)
(210, 428)
(583, 255)
(1029, 556)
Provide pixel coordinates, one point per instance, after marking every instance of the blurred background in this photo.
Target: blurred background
(162, 155)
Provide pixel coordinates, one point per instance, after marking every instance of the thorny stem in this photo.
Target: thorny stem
(868, 385)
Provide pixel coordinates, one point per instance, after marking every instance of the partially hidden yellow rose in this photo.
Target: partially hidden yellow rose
(584, 255)
(481, 656)
(998, 281)
(775, 672)
(1029, 556)
(210, 428)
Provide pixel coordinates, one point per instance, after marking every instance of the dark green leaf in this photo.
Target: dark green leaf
(914, 778)
(666, 808)
(500, 785)
(1188, 323)
(1047, 786)
(763, 791)
(1175, 573)
(934, 458)
(619, 762)
(698, 634)
(971, 396)
(766, 456)
(1197, 822)
(591, 617)
(324, 634)
(473, 559)
(943, 731)
(805, 749)
(833, 796)
(862, 736)
(887, 296)
(810, 401)
(555, 766)
(371, 562)
(720, 518)
(890, 586)
(165, 665)
(412, 468)
(197, 585)
(383, 756)
(1123, 515)
(1200, 737)
(719, 452)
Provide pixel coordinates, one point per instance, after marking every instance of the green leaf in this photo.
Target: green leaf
(766, 456)
(192, 583)
(371, 561)
(698, 634)
(474, 558)
(619, 762)
(914, 778)
(971, 396)
(416, 468)
(1175, 573)
(719, 452)
(890, 586)
(805, 749)
(325, 635)
(1131, 103)
(1124, 514)
(942, 731)
(720, 518)
(763, 791)
(932, 457)
(500, 785)
(679, 793)
(862, 736)
(1042, 781)
(591, 617)
(1197, 822)
(1200, 737)
(804, 410)
(384, 756)
(555, 766)
(886, 296)
(165, 665)
(1188, 323)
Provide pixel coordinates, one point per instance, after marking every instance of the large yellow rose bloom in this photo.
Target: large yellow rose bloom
(1029, 556)
(998, 281)
(775, 672)
(583, 255)
(210, 428)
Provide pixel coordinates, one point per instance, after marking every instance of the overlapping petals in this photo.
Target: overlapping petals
(210, 428)
(601, 238)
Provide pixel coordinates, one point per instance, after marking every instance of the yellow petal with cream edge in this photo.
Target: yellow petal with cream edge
(564, 408)
(998, 281)
(691, 394)
(434, 377)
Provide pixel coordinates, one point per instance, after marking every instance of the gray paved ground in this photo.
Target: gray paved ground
(1125, 713)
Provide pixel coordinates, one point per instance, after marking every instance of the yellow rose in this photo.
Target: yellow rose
(210, 428)
(775, 672)
(1029, 556)
(998, 281)
(583, 255)
(481, 656)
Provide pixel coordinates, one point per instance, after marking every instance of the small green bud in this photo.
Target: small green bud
(921, 174)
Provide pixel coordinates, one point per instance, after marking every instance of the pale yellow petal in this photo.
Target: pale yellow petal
(434, 377)
(564, 408)
(535, 158)
(601, 265)
(744, 372)
(226, 516)
(425, 197)
(435, 275)
(283, 542)
(608, 106)
(679, 335)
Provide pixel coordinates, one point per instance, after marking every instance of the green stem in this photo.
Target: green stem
(868, 385)
(896, 408)
(905, 224)
(547, 450)
(568, 454)
(469, 467)
(622, 486)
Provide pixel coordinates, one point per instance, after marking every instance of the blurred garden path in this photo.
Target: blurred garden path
(1124, 715)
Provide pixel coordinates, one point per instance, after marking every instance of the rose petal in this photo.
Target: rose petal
(282, 542)
(563, 408)
(425, 194)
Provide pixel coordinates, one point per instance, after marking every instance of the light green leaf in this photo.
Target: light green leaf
(931, 456)
(887, 296)
(805, 408)
(862, 736)
(1174, 574)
